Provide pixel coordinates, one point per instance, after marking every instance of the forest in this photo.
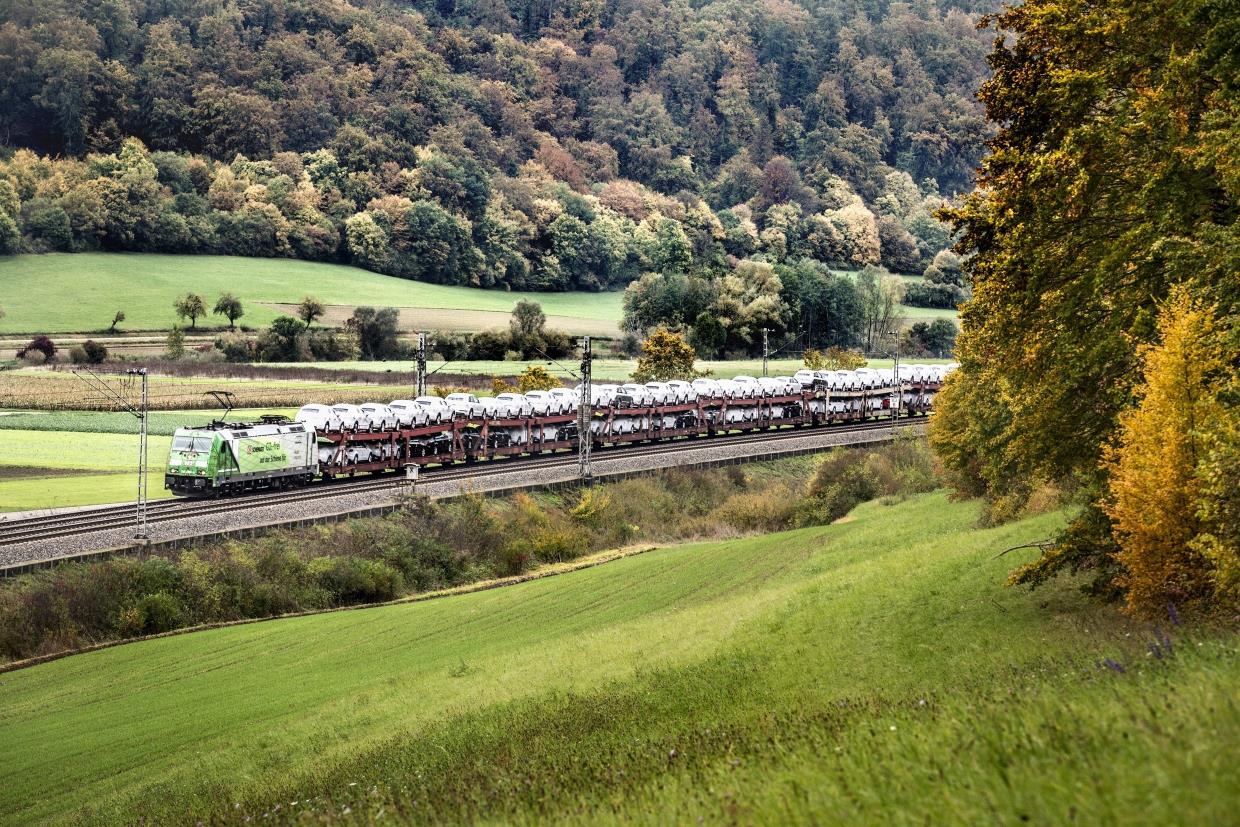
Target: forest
(534, 144)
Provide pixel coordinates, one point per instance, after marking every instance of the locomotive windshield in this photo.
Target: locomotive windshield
(193, 442)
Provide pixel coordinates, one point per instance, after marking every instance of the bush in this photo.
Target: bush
(236, 347)
(452, 347)
(489, 345)
(96, 352)
(89, 352)
(41, 345)
(330, 346)
(429, 545)
(355, 580)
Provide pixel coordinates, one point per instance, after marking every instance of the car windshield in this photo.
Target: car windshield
(192, 442)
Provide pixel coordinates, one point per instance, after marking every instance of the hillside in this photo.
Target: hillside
(859, 670)
(518, 145)
(32, 291)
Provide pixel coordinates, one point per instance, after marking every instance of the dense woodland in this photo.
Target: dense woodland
(1100, 352)
(530, 145)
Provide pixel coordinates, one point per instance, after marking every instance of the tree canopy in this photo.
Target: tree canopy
(523, 145)
(1112, 187)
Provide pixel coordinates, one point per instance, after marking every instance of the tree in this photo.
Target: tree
(95, 352)
(284, 341)
(931, 338)
(537, 378)
(528, 319)
(945, 269)
(192, 307)
(117, 318)
(174, 344)
(41, 345)
(1089, 214)
(1154, 491)
(229, 306)
(376, 332)
(309, 310)
(658, 299)
(880, 304)
(708, 336)
(673, 254)
(665, 355)
(835, 358)
(897, 247)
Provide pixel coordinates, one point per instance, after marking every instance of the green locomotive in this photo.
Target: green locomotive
(225, 458)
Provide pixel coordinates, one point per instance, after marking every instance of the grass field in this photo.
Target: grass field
(79, 292)
(871, 671)
(56, 469)
(63, 292)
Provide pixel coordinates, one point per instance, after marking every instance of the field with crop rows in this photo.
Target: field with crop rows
(37, 389)
(871, 671)
(160, 423)
(610, 370)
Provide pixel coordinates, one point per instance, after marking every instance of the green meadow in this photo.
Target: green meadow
(57, 469)
(79, 292)
(872, 671)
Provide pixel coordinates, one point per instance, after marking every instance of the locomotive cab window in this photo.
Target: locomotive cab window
(192, 443)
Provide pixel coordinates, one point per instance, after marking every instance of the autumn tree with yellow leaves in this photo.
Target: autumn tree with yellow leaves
(1155, 494)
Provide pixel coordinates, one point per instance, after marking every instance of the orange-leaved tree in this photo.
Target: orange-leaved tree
(1154, 495)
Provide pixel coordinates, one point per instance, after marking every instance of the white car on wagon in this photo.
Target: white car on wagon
(382, 418)
(319, 417)
(409, 414)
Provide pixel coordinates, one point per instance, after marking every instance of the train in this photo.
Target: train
(333, 441)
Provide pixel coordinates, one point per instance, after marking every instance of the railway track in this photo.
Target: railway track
(59, 526)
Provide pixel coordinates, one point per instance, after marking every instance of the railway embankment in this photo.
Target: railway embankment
(48, 539)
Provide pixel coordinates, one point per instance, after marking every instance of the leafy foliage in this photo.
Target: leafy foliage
(666, 355)
(192, 307)
(1112, 185)
(834, 358)
(489, 144)
(1155, 492)
(537, 378)
(230, 307)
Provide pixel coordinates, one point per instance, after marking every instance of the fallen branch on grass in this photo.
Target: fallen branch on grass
(1038, 544)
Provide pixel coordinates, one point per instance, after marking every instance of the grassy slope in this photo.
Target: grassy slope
(763, 679)
(34, 289)
(61, 292)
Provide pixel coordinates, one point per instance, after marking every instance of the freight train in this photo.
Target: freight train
(329, 441)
